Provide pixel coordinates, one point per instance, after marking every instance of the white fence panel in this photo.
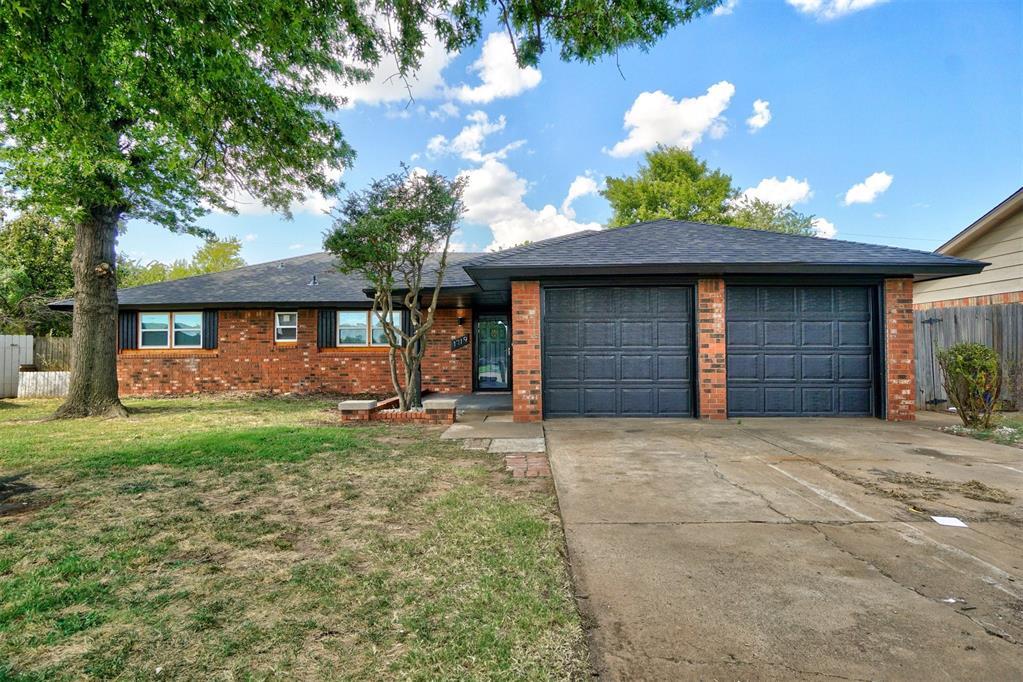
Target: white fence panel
(43, 384)
(14, 352)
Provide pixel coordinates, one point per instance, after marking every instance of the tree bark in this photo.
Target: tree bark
(93, 388)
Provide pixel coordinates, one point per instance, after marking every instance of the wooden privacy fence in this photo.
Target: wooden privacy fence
(52, 354)
(997, 326)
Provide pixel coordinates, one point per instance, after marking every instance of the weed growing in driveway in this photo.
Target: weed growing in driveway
(253, 539)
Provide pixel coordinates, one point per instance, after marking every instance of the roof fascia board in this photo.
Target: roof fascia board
(982, 225)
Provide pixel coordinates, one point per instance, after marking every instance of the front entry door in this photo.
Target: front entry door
(493, 353)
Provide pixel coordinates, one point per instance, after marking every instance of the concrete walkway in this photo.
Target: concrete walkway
(792, 549)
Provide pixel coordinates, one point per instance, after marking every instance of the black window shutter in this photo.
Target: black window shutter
(210, 329)
(326, 329)
(127, 330)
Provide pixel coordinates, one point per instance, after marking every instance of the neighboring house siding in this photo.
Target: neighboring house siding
(1002, 247)
(248, 359)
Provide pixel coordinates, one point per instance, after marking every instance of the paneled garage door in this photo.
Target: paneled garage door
(800, 351)
(617, 351)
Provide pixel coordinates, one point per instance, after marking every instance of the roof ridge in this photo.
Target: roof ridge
(782, 235)
(523, 248)
(247, 266)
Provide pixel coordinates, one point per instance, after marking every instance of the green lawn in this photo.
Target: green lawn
(248, 539)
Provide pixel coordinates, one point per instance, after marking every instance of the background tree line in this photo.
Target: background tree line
(35, 269)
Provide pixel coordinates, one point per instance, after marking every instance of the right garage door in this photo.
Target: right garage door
(800, 351)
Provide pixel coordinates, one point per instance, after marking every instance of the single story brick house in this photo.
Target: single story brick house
(663, 318)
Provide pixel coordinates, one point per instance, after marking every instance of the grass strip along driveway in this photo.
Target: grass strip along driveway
(256, 538)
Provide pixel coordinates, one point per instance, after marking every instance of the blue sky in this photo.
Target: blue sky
(895, 122)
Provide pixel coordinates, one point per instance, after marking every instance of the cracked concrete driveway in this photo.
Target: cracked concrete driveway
(792, 549)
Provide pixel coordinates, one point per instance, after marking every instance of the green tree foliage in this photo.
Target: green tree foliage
(35, 268)
(972, 380)
(673, 183)
(159, 110)
(670, 183)
(396, 234)
(215, 255)
(758, 214)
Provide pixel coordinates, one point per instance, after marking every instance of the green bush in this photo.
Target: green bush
(973, 381)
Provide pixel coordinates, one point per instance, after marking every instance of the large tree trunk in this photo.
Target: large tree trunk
(93, 389)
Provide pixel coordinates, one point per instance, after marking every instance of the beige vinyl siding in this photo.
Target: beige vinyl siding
(1002, 247)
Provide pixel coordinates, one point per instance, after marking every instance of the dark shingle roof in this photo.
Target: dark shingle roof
(275, 283)
(672, 246)
(657, 247)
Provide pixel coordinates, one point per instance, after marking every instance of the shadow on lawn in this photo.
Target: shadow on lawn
(227, 447)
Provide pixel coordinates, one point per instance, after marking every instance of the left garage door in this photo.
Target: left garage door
(617, 351)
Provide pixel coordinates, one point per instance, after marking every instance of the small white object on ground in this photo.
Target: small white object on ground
(949, 521)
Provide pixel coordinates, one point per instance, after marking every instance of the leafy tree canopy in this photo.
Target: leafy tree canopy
(215, 255)
(163, 109)
(674, 183)
(35, 268)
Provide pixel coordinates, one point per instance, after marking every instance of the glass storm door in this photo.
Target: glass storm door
(493, 354)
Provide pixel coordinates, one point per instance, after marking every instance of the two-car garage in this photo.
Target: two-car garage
(630, 351)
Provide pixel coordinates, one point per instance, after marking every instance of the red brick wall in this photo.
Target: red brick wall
(710, 342)
(527, 383)
(900, 376)
(248, 359)
(989, 299)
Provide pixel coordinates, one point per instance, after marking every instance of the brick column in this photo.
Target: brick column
(900, 373)
(710, 342)
(527, 383)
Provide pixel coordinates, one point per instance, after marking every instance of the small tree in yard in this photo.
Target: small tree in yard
(395, 234)
(972, 381)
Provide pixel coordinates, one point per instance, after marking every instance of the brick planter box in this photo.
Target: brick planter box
(433, 412)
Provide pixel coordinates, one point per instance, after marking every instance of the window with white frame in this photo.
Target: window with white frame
(170, 330)
(363, 328)
(378, 337)
(285, 326)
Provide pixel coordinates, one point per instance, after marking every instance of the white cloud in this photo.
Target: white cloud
(870, 189)
(251, 237)
(296, 247)
(725, 8)
(656, 118)
(445, 111)
(468, 143)
(787, 192)
(761, 115)
(499, 73)
(832, 9)
(824, 227)
(494, 196)
(582, 186)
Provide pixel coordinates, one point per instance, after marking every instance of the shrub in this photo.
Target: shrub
(973, 381)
